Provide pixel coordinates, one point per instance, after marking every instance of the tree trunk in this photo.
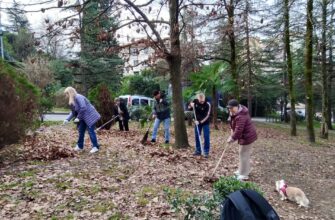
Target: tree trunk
(215, 108)
(231, 34)
(285, 101)
(248, 58)
(330, 70)
(293, 121)
(308, 71)
(174, 61)
(324, 75)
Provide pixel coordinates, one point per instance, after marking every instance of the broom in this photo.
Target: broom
(145, 137)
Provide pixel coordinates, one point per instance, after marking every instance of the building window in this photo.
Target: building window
(133, 51)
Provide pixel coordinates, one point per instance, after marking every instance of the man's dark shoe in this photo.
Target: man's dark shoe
(167, 142)
(153, 140)
(206, 156)
(196, 154)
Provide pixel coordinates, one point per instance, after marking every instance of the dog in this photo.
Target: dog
(292, 193)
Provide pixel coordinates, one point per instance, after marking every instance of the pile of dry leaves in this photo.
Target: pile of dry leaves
(46, 144)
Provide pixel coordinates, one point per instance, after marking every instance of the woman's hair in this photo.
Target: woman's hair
(71, 92)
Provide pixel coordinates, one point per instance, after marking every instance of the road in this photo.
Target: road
(55, 117)
(62, 117)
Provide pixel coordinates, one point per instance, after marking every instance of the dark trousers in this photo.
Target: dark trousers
(123, 125)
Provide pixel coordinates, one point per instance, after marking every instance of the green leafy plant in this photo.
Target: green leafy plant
(206, 206)
(226, 185)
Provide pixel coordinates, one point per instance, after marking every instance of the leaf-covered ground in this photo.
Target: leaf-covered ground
(126, 180)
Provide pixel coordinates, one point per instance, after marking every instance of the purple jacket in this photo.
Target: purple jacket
(244, 130)
(85, 111)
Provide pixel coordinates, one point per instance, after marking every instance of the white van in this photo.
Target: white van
(137, 100)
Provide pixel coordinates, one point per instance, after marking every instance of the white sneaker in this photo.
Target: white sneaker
(77, 148)
(94, 150)
(237, 173)
(242, 177)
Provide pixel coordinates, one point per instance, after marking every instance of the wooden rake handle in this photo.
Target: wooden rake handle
(218, 163)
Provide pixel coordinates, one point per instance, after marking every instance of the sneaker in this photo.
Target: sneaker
(237, 173)
(196, 154)
(206, 156)
(94, 150)
(78, 148)
(153, 140)
(242, 177)
(167, 142)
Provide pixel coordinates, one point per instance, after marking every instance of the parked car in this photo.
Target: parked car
(137, 105)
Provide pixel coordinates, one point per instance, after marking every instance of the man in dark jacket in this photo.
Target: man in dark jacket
(122, 111)
(243, 131)
(202, 112)
(161, 113)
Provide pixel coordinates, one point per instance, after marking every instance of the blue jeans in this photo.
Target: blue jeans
(82, 128)
(206, 146)
(166, 123)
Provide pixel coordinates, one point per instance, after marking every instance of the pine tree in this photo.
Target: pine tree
(99, 62)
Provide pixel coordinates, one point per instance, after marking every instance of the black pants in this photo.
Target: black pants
(123, 125)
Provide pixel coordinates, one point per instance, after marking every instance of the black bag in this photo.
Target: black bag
(247, 205)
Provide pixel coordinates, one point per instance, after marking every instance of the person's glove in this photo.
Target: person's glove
(65, 122)
(76, 120)
(196, 123)
(154, 116)
(192, 104)
(161, 100)
(230, 140)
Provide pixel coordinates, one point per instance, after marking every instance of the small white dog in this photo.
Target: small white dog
(292, 193)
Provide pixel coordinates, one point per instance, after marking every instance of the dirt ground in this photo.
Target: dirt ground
(126, 180)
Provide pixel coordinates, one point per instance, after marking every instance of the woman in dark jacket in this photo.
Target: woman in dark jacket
(122, 110)
(243, 131)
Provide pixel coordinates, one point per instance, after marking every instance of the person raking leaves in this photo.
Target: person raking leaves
(161, 113)
(87, 115)
(244, 132)
(202, 110)
(122, 111)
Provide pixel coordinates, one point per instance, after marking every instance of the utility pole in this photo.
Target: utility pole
(1, 40)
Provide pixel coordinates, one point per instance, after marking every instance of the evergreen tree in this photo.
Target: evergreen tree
(99, 61)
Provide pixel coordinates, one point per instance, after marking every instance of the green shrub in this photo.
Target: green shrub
(18, 104)
(206, 207)
(140, 113)
(226, 185)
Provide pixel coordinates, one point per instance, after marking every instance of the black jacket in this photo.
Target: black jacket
(124, 109)
(162, 109)
(202, 111)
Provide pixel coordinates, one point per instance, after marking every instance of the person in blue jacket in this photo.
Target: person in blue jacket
(87, 115)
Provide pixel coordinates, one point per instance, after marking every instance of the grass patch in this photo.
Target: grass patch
(90, 191)
(30, 173)
(28, 184)
(145, 195)
(103, 207)
(60, 110)
(118, 216)
(4, 187)
(62, 185)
